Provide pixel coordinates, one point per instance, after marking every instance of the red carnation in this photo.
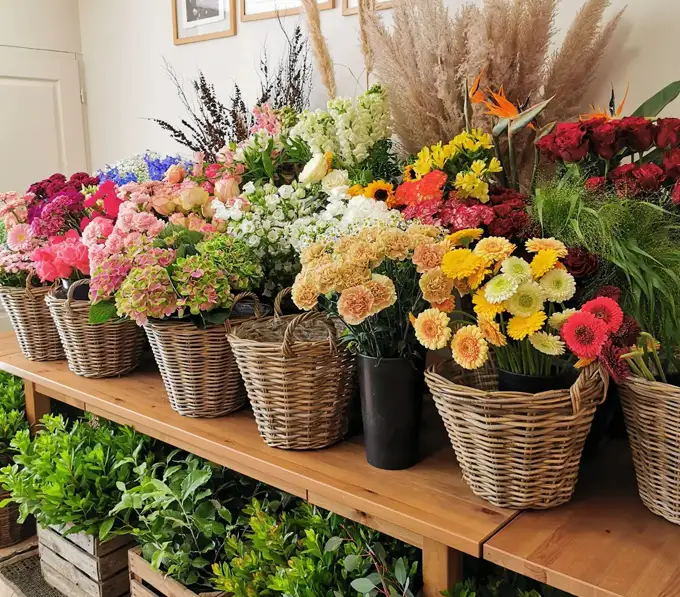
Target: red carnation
(617, 367)
(596, 183)
(581, 263)
(570, 142)
(638, 132)
(671, 164)
(648, 177)
(585, 335)
(606, 139)
(607, 310)
(667, 133)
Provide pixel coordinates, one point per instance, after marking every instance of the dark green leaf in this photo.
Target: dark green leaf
(352, 562)
(655, 104)
(105, 528)
(400, 571)
(102, 312)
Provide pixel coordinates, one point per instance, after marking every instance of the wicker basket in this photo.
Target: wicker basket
(94, 350)
(516, 450)
(652, 413)
(198, 366)
(299, 382)
(31, 320)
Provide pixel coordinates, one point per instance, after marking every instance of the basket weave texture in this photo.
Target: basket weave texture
(516, 450)
(32, 323)
(299, 381)
(95, 350)
(198, 368)
(652, 413)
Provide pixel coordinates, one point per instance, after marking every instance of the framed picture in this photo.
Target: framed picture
(201, 20)
(351, 7)
(255, 10)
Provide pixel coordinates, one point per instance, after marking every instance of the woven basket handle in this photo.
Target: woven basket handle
(581, 383)
(288, 336)
(279, 299)
(238, 298)
(29, 284)
(71, 292)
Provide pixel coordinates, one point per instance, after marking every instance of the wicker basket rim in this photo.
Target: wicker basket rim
(239, 334)
(20, 290)
(653, 386)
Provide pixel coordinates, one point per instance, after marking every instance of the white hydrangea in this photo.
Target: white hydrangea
(343, 216)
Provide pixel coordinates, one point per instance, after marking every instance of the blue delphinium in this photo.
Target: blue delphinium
(159, 166)
(142, 167)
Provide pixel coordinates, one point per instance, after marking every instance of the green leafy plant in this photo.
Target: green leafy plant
(11, 423)
(73, 475)
(11, 392)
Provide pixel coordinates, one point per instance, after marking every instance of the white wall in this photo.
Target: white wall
(124, 43)
(40, 24)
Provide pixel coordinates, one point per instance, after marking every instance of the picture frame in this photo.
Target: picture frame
(351, 7)
(257, 10)
(202, 20)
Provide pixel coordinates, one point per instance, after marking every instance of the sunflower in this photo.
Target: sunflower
(459, 264)
(521, 327)
(355, 190)
(469, 348)
(559, 286)
(517, 269)
(432, 329)
(528, 299)
(547, 344)
(484, 308)
(544, 261)
(491, 331)
(494, 248)
(410, 173)
(500, 289)
(535, 245)
(463, 238)
(380, 191)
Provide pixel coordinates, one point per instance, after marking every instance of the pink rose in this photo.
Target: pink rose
(212, 171)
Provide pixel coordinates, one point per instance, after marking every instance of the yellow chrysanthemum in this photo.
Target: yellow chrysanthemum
(528, 299)
(469, 348)
(491, 331)
(557, 320)
(423, 165)
(535, 245)
(459, 264)
(494, 248)
(484, 308)
(355, 190)
(521, 327)
(462, 238)
(436, 285)
(547, 344)
(543, 262)
(380, 191)
(432, 329)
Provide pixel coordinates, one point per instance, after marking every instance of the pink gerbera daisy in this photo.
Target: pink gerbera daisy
(19, 237)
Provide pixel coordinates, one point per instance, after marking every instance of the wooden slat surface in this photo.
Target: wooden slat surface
(603, 543)
(428, 501)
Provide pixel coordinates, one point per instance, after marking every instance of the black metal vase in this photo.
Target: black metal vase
(391, 408)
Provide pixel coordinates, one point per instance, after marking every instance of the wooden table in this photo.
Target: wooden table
(603, 543)
(428, 506)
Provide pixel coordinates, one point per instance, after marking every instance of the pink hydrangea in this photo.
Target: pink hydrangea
(97, 231)
(108, 277)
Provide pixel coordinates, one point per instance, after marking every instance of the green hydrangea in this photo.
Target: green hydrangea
(236, 259)
(201, 284)
(146, 293)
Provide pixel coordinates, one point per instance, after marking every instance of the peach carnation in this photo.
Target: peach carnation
(428, 256)
(436, 286)
(355, 304)
(383, 291)
(305, 294)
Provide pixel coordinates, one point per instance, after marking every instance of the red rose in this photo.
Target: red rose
(671, 164)
(570, 142)
(580, 263)
(596, 183)
(667, 133)
(648, 177)
(675, 196)
(546, 146)
(638, 132)
(621, 172)
(606, 139)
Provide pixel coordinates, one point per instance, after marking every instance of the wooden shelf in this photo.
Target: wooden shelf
(604, 543)
(427, 505)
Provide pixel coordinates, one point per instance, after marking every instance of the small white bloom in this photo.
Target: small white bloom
(249, 188)
(335, 179)
(286, 191)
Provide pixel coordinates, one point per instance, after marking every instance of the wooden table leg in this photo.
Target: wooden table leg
(442, 568)
(37, 405)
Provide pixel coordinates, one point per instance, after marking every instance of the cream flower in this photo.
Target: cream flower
(559, 286)
(547, 344)
(557, 320)
(500, 289)
(469, 348)
(305, 294)
(436, 286)
(528, 299)
(517, 269)
(432, 329)
(315, 170)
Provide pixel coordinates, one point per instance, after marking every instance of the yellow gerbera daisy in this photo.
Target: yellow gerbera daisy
(543, 262)
(459, 264)
(476, 279)
(380, 191)
(469, 348)
(462, 238)
(521, 327)
(491, 331)
(494, 248)
(535, 245)
(557, 320)
(547, 344)
(432, 329)
(484, 308)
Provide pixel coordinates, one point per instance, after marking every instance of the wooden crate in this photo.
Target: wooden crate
(147, 582)
(80, 565)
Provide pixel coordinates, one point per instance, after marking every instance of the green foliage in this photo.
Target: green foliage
(310, 553)
(655, 104)
(181, 510)
(3, 233)
(637, 242)
(381, 164)
(11, 392)
(12, 413)
(11, 423)
(102, 312)
(73, 474)
(178, 237)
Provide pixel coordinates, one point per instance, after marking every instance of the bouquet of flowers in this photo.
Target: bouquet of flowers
(519, 308)
(370, 281)
(16, 249)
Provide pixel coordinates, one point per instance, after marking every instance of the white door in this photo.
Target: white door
(41, 117)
